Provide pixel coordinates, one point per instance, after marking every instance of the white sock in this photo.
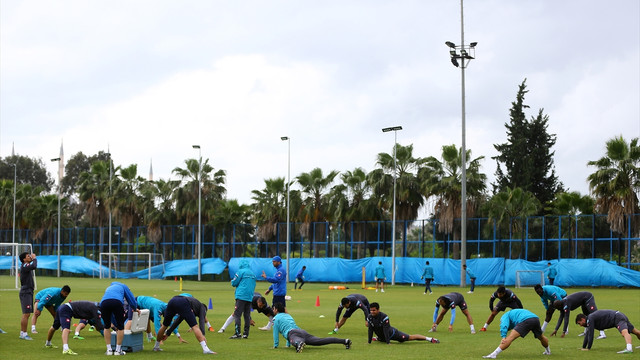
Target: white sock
(544, 326)
(178, 335)
(77, 334)
(118, 348)
(203, 343)
(109, 347)
(548, 348)
(485, 325)
(602, 333)
(33, 327)
(230, 319)
(497, 350)
(472, 327)
(65, 347)
(428, 338)
(629, 347)
(208, 324)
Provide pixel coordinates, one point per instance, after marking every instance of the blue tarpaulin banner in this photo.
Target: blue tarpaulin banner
(489, 271)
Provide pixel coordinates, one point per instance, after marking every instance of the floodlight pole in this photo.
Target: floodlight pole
(464, 53)
(393, 224)
(13, 233)
(59, 195)
(288, 140)
(199, 210)
(109, 251)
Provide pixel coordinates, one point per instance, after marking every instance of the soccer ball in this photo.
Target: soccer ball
(8, 253)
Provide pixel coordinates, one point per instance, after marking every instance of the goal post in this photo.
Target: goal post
(13, 251)
(529, 278)
(137, 261)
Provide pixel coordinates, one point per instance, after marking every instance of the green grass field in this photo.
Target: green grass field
(409, 310)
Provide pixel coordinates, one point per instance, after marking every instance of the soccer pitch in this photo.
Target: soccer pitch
(409, 310)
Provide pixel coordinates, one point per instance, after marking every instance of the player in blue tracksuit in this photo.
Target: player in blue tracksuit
(49, 298)
(278, 282)
(245, 283)
(521, 321)
(156, 309)
(112, 304)
(472, 277)
(552, 272)
(506, 298)
(450, 301)
(548, 294)
(380, 276)
(582, 299)
(300, 278)
(427, 275)
(352, 303)
(284, 324)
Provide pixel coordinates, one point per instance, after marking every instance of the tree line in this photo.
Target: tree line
(94, 188)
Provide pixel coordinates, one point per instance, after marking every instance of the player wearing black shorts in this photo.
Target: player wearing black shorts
(582, 299)
(607, 319)
(451, 301)
(29, 264)
(185, 307)
(379, 324)
(77, 309)
(520, 322)
(351, 303)
(506, 299)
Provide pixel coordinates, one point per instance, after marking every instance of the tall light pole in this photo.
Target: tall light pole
(59, 195)
(110, 176)
(13, 234)
(199, 209)
(288, 140)
(393, 224)
(463, 53)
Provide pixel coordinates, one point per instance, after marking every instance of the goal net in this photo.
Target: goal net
(10, 252)
(529, 278)
(128, 263)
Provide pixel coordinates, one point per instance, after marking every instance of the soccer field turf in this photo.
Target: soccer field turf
(409, 310)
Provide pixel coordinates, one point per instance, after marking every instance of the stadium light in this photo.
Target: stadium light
(59, 195)
(199, 210)
(288, 140)
(462, 53)
(395, 130)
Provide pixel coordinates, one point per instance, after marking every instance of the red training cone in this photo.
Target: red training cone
(318, 300)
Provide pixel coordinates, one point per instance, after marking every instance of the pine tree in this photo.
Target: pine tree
(527, 157)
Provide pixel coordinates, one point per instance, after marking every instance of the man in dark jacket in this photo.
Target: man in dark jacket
(379, 324)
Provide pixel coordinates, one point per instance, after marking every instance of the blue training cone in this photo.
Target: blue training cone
(210, 304)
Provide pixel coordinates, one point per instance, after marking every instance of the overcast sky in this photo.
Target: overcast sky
(151, 78)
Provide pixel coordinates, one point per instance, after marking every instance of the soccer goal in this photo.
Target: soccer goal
(129, 262)
(11, 252)
(529, 278)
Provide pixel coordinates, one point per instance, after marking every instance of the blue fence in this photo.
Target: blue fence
(532, 239)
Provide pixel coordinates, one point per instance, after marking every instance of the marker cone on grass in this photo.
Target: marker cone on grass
(210, 304)
(318, 300)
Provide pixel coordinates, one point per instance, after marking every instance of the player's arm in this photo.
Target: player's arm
(338, 312)
(386, 330)
(370, 333)
(491, 300)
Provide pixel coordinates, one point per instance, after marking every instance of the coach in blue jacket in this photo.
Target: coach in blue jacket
(278, 280)
(245, 283)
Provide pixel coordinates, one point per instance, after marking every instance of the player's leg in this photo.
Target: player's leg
(247, 318)
(492, 316)
(36, 314)
(26, 302)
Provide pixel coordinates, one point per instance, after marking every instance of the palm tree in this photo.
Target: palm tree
(572, 204)
(269, 207)
(506, 207)
(408, 195)
(226, 215)
(43, 215)
(616, 185)
(213, 190)
(126, 202)
(616, 182)
(315, 201)
(351, 203)
(443, 180)
(158, 204)
(93, 191)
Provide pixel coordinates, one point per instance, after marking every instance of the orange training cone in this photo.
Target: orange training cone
(318, 300)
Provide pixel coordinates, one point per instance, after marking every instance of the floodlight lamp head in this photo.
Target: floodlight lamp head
(196, 146)
(473, 44)
(455, 62)
(450, 44)
(284, 138)
(56, 159)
